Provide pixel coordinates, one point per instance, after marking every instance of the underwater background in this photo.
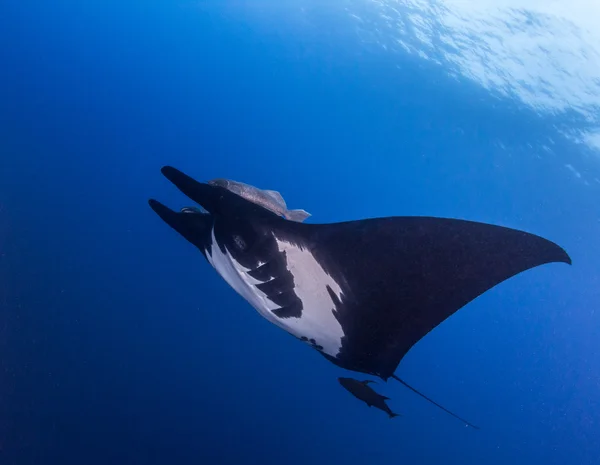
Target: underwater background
(120, 344)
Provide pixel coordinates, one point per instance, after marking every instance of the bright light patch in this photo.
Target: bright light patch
(544, 52)
(593, 139)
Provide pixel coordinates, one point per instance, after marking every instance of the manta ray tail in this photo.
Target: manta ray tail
(433, 402)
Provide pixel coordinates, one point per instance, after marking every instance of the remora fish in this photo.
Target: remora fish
(362, 293)
(271, 200)
(362, 391)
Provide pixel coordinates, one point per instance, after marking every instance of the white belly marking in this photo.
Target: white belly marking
(310, 280)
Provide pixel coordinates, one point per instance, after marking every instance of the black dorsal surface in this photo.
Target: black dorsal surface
(395, 278)
(406, 275)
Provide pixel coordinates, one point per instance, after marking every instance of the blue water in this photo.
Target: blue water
(119, 344)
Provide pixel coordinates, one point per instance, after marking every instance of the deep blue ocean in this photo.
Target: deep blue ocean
(119, 344)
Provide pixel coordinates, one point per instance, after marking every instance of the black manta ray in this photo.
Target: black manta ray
(362, 292)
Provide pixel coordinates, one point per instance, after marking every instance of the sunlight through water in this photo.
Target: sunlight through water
(545, 53)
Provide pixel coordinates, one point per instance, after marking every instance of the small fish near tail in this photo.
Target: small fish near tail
(387, 409)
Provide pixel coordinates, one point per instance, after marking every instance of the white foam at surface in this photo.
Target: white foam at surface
(545, 53)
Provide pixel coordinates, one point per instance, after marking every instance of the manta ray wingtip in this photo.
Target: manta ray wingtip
(556, 253)
(563, 257)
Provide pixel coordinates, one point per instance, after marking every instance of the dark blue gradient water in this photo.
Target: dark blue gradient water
(119, 344)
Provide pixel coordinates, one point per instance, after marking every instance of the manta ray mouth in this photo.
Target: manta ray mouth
(202, 194)
(194, 210)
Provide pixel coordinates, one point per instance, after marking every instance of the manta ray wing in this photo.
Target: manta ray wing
(400, 277)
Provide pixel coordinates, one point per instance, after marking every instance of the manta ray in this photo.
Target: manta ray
(362, 293)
